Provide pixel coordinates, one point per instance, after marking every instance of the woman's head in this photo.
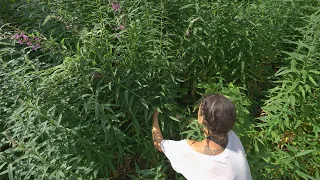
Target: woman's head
(217, 113)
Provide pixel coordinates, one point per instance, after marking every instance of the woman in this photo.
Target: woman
(219, 156)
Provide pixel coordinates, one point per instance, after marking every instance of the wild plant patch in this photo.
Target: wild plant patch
(79, 81)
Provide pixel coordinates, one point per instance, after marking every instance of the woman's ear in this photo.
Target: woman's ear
(200, 117)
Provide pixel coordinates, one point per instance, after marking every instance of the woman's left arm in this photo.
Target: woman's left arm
(156, 132)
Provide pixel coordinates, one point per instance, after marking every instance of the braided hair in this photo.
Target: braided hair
(219, 115)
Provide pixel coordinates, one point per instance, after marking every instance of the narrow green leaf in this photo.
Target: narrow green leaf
(30, 171)
(144, 103)
(314, 72)
(186, 6)
(301, 153)
(302, 91)
(131, 101)
(3, 164)
(256, 148)
(78, 46)
(46, 19)
(312, 80)
(59, 119)
(146, 113)
(317, 175)
(304, 75)
(126, 96)
(10, 171)
(174, 118)
(304, 175)
(286, 72)
(61, 174)
(6, 44)
(297, 124)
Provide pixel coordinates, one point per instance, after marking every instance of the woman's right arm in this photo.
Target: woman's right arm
(156, 132)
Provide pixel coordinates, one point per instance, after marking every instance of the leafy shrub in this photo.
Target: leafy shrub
(289, 130)
(80, 106)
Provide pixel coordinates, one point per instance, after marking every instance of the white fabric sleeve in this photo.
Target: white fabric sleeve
(169, 148)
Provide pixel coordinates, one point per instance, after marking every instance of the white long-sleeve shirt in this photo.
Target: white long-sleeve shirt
(231, 164)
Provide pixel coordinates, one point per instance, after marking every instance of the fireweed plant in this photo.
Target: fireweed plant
(33, 42)
(79, 81)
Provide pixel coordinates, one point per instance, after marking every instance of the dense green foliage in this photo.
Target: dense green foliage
(79, 81)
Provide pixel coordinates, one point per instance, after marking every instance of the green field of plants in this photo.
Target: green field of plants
(79, 80)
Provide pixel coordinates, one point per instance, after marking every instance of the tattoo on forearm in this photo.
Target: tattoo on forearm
(156, 135)
(212, 152)
(157, 138)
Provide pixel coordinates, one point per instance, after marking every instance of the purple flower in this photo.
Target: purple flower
(115, 6)
(20, 41)
(29, 43)
(37, 46)
(16, 36)
(25, 38)
(37, 38)
(121, 27)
